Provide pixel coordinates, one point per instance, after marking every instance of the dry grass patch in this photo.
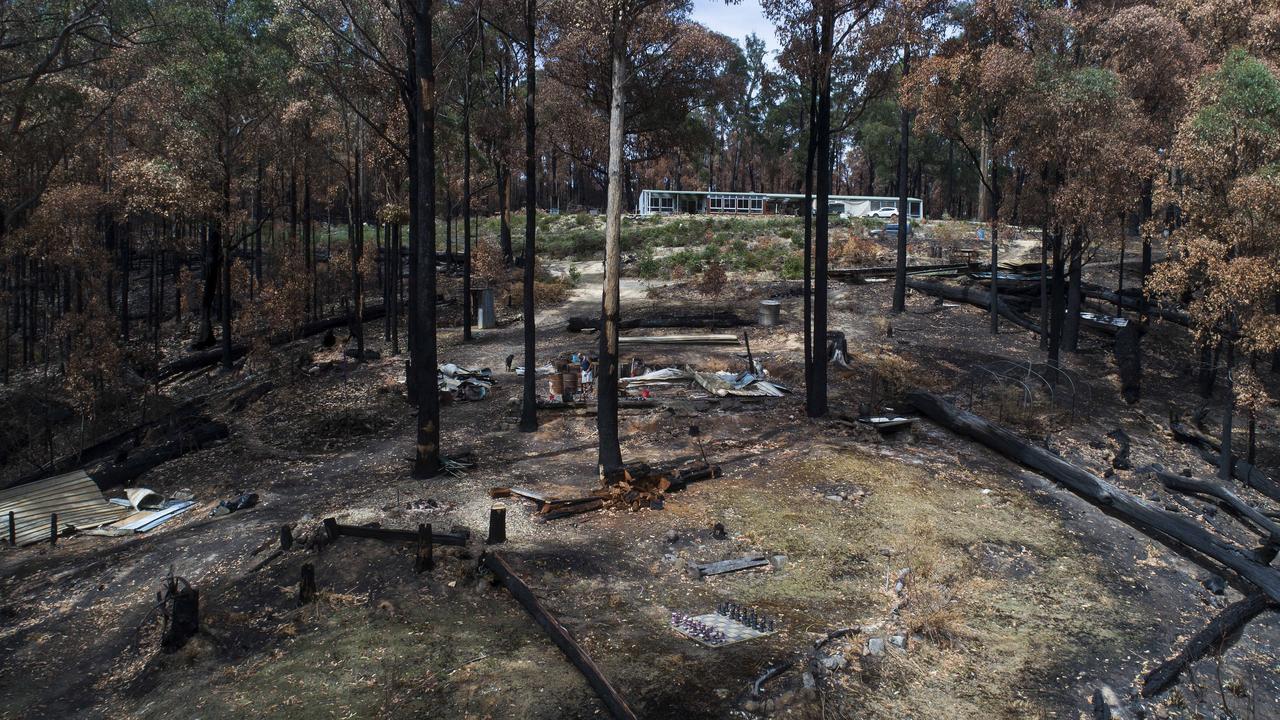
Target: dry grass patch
(973, 616)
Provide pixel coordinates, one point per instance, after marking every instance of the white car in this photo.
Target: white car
(886, 212)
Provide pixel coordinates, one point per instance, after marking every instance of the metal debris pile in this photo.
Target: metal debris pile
(465, 384)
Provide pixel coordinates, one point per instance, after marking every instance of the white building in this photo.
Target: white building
(727, 203)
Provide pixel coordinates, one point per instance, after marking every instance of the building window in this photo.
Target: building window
(662, 204)
(726, 203)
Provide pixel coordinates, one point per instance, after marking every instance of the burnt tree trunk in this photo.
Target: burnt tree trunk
(427, 448)
(904, 209)
(816, 385)
(529, 408)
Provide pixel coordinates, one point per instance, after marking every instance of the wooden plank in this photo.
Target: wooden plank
(532, 495)
(727, 566)
(391, 535)
(613, 701)
(711, 339)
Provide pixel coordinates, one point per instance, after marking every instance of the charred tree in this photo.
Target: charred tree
(529, 408)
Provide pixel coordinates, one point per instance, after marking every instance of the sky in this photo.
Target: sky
(736, 21)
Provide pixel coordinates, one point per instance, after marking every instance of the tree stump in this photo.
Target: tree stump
(424, 561)
(497, 524)
(307, 585)
(184, 616)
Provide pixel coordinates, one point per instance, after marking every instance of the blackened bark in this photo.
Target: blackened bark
(1071, 325)
(904, 209)
(1056, 298)
(1228, 409)
(427, 454)
(225, 221)
(504, 213)
(529, 408)
(356, 242)
(466, 199)
(816, 389)
(810, 154)
(212, 267)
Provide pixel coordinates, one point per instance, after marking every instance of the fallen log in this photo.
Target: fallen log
(374, 533)
(565, 508)
(1234, 504)
(664, 320)
(207, 358)
(679, 479)
(1210, 448)
(1128, 302)
(887, 271)
(1212, 637)
(119, 443)
(614, 701)
(973, 296)
(1160, 524)
(127, 466)
(111, 445)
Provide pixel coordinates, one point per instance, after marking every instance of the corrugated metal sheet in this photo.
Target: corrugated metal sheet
(74, 497)
(145, 520)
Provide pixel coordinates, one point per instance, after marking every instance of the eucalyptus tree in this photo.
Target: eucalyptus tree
(1225, 250)
(818, 36)
(645, 61)
(226, 78)
(395, 40)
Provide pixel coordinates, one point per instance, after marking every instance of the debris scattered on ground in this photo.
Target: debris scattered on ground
(742, 384)
(643, 486)
(887, 423)
(239, 502)
(465, 384)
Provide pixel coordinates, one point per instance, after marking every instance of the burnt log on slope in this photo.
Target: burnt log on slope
(120, 443)
(1210, 448)
(1169, 528)
(1129, 302)
(1214, 637)
(208, 358)
(974, 296)
(121, 469)
(1230, 500)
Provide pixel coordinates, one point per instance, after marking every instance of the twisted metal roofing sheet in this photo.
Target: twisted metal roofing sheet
(73, 496)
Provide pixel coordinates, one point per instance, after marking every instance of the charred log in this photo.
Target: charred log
(1169, 528)
(1214, 637)
(976, 297)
